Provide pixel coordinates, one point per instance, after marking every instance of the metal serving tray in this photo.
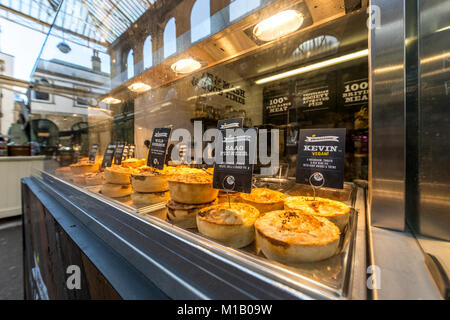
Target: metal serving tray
(328, 278)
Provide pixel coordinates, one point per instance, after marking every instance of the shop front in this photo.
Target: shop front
(253, 150)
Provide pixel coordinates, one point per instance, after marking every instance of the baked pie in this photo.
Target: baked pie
(335, 211)
(95, 179)
(147, 179)
(118, 175)
(84, 167)
(116, 190)
(232, 225)
(264, 199)
(147, 199)
(223, 196)
(133, 163)
(185, 215)
(193, 188)
(290, 236)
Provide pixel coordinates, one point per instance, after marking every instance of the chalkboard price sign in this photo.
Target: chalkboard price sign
(109, 155)
(237, 174)
(321, 153)
(119, 153)
(93, 153)
(158, 148)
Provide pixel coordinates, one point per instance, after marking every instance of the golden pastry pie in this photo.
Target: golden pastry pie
(147, 199)
(335, 211)
(160, 214)
(116, 190)
(193, 188)
(185, 215)
(264, 200)
(118, 175)
(147, 179)
(223, 196)
(232, 225)
(95, 179)
(84, 167)
(133, 163)
(289, 236)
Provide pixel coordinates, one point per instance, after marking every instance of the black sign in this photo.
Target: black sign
(131, 151)
(158, 148)
(109, 155)
(356, 93)
(212, 83)
(277, 105)
(93, 153)
(125, 152)
(233, 170)
(119, 153)
(321, 157)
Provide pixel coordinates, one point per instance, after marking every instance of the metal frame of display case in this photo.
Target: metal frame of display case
(185, 265)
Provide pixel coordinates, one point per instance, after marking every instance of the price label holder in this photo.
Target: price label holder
(321, 158)
(119, 153)
(126, 150)
(233, 170)
(158, 148)
(109, 155)
(93, 153)
(131, 151)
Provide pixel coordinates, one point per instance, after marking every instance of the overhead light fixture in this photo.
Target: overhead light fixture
(315, 66)
(139, 87)
(111, 100)
(185, 66)
(278, 25)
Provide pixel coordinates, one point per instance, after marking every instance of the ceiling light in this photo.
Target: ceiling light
(278, 25)
(186, 66)
(139, 87)
(111, 100)
(315, 66)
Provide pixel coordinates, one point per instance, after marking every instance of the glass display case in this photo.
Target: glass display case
(282, 67)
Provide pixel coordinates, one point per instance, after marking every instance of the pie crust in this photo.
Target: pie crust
(335, 211)
(184, 215)
(147, 179)
(263, 199)
(147, 199)
(116, 190)
(84, 167)
(289, 236)
(118, 175)
(232, 225)
(193, 188)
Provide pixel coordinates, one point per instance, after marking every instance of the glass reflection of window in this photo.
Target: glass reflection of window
(238, 8)
(148, 53)
(170, 38)
(315, 47)
(130, 64)
(200, 20)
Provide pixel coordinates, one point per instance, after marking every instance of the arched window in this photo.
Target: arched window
(170, 38)
(148, 53)
(200, 20)
(240, 7)
(130, 64)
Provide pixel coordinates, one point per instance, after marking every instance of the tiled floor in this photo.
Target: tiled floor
(11, 274)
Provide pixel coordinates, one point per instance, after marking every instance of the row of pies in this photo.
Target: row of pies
(286, 229)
